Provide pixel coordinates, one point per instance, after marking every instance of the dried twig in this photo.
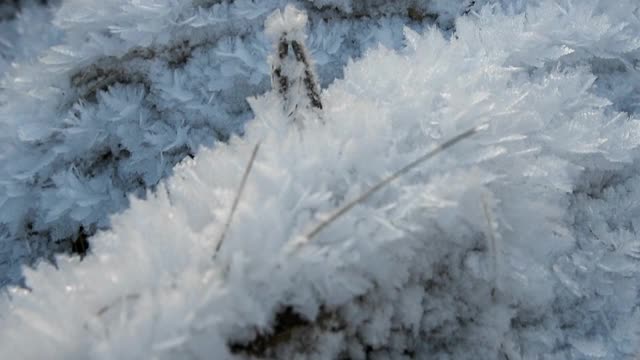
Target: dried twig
(281, 81)
(294, 72)
(310, 81)
(364, 196)
(243, 182)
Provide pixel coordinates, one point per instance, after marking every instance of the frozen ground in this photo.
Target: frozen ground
(519, 242)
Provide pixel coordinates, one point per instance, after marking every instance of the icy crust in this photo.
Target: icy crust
(471, 256)
(132, 88)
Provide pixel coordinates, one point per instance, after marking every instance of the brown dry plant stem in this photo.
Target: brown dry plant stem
(243, 183)
(364, 196)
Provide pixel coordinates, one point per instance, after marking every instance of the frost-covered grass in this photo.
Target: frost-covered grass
(518, 243)
(133, 87)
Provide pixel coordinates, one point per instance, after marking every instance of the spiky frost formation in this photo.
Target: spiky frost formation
(134, 87)
(484, 253)
(25, 31)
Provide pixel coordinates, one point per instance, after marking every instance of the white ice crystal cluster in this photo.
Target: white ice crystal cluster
(519, 242)
(133, 87)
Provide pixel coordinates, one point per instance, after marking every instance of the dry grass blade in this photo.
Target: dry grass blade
(364, 196)
(243, 183)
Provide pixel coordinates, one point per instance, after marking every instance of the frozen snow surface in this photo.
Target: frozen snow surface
(519, 242)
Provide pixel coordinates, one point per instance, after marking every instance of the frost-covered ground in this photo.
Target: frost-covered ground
(131, 88)
(519, 242)
(25, 31)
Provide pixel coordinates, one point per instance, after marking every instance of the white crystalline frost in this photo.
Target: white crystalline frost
(518, 242)
(130, 89)
(291, 21)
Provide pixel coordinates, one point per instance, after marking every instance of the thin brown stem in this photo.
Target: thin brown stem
(364, 196)
(243, 183)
